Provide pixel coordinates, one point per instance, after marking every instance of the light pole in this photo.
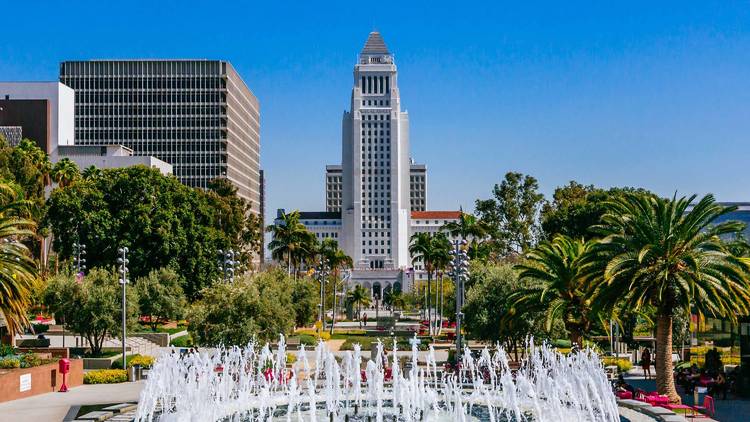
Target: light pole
(79, 250)
(227, 264)
(459, 271)
(123, 261)
(322, 273)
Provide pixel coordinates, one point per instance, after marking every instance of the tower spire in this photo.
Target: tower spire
(375, 44)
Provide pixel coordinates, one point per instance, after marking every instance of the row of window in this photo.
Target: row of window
(375, 84)
(326, 235)
(376, 103)
(382, 251)
(149, 110)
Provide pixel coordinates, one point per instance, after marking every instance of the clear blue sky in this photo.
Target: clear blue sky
(650, 94)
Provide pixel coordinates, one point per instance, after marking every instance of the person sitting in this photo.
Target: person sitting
(720, 385)
(622, 385)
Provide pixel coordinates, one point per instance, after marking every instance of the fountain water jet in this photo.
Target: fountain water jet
(244, 384)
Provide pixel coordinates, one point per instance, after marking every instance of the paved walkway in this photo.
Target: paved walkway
(52, 407)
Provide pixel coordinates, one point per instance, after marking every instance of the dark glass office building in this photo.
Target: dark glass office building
(197, 115)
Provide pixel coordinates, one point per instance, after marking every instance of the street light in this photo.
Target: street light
(459, 271)
(123, 261)
(227, 264)
(79, 250)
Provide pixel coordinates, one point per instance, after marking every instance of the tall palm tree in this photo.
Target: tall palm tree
(291, 240)
(64, 172)
(473, 230)
(92, 172)
(337, 261)
(661, 253)
(429, 249)
(562, 294)
(359, 297)
(18, 272)
(441, 260)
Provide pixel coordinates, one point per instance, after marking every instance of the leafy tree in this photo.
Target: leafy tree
(64, 172)
(237, 220)
(576, 208)
(163, 222)
(658, 252)
(18, 272)
(510, 217)
(305, 301)
(489, 299)
(92, 307)
(473, 230)
(160, 296)
(561, 289)
(253, 307)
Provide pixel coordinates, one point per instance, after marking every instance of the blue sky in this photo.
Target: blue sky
(650, 94)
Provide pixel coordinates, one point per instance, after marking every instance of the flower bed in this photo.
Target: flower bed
(105, 376)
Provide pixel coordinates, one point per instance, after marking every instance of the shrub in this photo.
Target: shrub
(291, 358)
(623, 365)
(105, 376)
(40, 328)
(29, 360)
(6, 350)
(144, 361)
(183, 341)
(325, 335)
(307, 340)
(561, 343)
(10, 363)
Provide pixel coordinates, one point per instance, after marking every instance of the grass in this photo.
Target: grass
(184, 341)
(104, 354)
(161, 329)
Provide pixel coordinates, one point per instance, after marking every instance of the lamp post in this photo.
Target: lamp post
(123, 261)
(459, 271)
(79, 250)
(227, 264)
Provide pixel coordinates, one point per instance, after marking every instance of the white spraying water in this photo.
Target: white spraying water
(254, 384)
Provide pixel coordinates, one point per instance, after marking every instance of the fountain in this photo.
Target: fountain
(254, 384)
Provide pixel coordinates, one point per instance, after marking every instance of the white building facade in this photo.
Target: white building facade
(371, 196)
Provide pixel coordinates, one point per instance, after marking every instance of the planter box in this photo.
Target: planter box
(102, 363)
(27, 382)
(160, 339)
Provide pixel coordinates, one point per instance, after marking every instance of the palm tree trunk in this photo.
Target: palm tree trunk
(442, 302)
(663, 359)
(429, 302)
(576, 338)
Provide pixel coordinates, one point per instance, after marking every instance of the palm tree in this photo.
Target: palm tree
(92, 172)
(441, 260)
(561, 294)
(18, 272)
(473, 230)
(291, 240)
(397, 300)
(661, 253)
(359, 297)
(64, 172)
(337, 260)
(431, 250)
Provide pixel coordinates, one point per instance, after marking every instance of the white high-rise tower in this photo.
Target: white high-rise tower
(375, 206)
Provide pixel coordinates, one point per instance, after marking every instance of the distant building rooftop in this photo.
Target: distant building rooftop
(427, 215)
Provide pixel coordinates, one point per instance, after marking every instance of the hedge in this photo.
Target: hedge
(10, 363)
(623, 365)
(105, 376)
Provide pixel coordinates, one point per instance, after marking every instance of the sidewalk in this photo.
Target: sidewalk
(52, 407)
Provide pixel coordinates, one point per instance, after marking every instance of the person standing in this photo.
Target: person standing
(646, 363)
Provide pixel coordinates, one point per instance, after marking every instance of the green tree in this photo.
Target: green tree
(473, 230)
(253, 307)
(511, 216)
(291, 241)
(92, 307)
(431, 250)
(576, 208)
(160, 296)
(488, 300)
(359, 297)
(18, 272)
(163, 222)
(561, 292)
(666, 254)
(237, 220)
(64, 172)
(305, 301)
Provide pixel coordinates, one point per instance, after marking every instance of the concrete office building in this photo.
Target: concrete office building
(40, 111)
(109, 156)
(197, 115)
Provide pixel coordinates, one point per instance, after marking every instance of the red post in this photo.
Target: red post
(64, 367)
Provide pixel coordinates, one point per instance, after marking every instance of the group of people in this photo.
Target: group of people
(717, 382)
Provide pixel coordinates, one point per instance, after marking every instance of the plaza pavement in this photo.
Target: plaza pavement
(52, 407)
